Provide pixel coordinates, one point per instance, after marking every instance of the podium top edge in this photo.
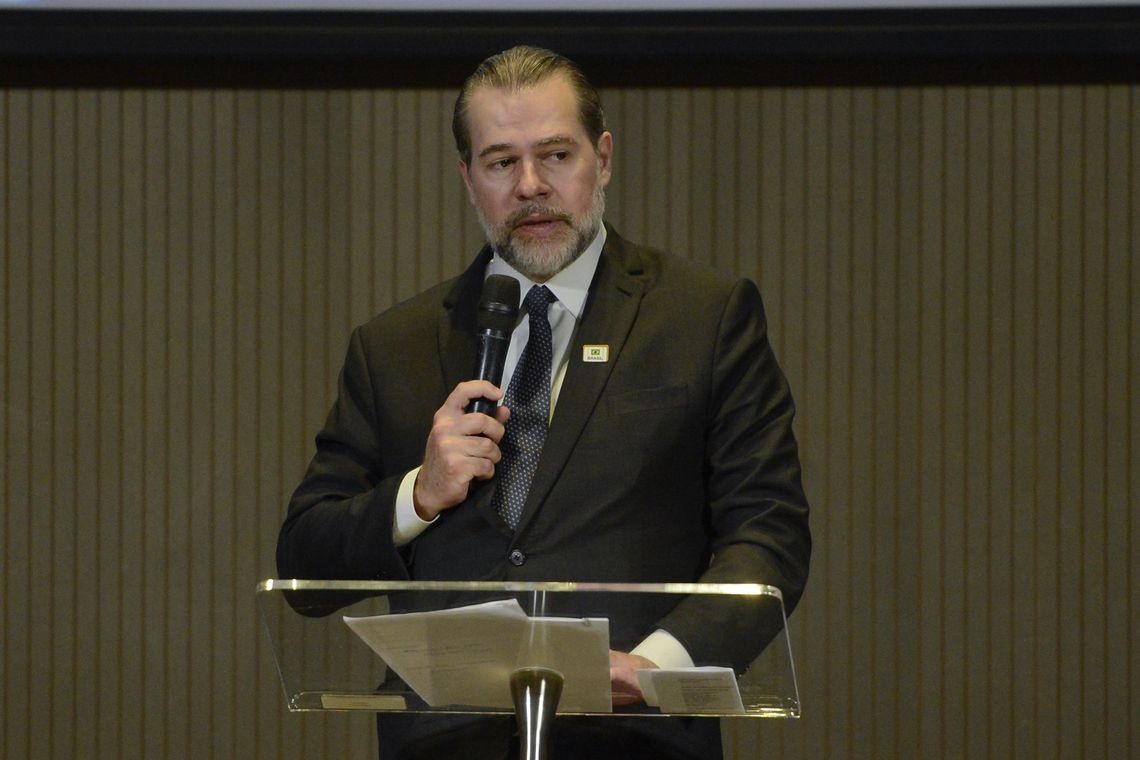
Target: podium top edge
(730, 589)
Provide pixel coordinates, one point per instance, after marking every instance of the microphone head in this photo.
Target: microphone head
(499, 304)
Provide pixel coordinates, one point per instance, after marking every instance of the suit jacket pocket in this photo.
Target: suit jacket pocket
(648, 399)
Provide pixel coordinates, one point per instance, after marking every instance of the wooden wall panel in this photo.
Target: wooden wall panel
(949, 275)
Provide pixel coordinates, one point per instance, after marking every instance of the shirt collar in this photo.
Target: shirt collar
(572, 284)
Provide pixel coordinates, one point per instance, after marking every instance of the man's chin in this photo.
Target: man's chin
(542, 240)
(539, 262)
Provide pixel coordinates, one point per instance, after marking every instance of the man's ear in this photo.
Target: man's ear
(465, 173)
(605, 151)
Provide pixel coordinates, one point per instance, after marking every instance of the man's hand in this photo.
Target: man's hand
(460, 448)
(623, 677)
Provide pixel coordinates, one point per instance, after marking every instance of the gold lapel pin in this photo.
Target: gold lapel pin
(595, 353)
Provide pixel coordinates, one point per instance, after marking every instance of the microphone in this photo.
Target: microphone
(494, 323)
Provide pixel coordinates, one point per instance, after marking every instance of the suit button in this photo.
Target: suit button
(517, 558)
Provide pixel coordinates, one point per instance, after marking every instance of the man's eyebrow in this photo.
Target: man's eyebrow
(544, 142)
(496, 148)
(556, 140)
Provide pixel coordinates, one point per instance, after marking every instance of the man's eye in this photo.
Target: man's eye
(560, 155)
(502, 163)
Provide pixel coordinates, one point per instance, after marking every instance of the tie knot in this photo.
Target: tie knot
(538, 298)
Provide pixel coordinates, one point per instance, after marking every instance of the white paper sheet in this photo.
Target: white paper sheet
(465, 656)
(692, 691)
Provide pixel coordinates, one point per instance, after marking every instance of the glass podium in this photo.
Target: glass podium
(531, 649)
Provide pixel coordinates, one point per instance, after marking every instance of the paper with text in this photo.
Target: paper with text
(692, 691)
(465, 656)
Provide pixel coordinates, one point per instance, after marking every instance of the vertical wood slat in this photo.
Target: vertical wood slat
(1124, 406)
(901, 111)
(263, 738)
(998, 405)
(60, 644)
(949, 278)
(1132, 445)
(248, 463)
(106, 493)
(225, 597)
(17, 429)
(86, 440)
(42, 412)
(928, 113)
(1094, 327)
(4, 319)
(1024, 176)
(1071, 355)
(950, 497)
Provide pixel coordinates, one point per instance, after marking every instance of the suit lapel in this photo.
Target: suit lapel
(607, 320)
(457, 342)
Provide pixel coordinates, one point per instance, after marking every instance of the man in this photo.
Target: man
(658, 446)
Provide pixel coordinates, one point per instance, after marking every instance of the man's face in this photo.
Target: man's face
(535, 180)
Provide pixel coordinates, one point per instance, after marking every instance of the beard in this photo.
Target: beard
(541, 260)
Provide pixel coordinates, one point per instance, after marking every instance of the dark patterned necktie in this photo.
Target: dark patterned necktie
(528, 398)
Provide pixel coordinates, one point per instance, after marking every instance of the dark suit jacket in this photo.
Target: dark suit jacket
(673, 461)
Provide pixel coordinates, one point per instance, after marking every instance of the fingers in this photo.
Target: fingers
(455, 409)
(502, 414)
(461, 447)
(624, 686)
(465, 393)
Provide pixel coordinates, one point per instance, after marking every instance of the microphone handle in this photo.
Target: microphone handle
(489, 365)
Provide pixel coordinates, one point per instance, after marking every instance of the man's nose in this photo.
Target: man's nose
(531, 183)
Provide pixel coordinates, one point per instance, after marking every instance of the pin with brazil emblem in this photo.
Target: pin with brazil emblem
(595, 353)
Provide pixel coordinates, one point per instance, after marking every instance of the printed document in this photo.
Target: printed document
(465, 656)
(692, 691)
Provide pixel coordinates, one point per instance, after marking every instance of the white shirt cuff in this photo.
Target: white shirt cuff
(663, 650)
(406, 524)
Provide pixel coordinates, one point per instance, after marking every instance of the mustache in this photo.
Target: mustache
(537, 209)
